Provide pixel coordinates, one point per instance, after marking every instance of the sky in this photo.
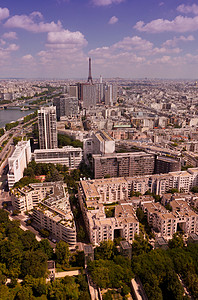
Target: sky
(125, 38)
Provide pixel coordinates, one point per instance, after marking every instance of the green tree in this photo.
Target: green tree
(34, 263)
(29, 241)
(140, 245)
(1, 132)
(176, 242)
(45, 247)
(24, 293)
(62, 253)
(105, 250)
(194, 189)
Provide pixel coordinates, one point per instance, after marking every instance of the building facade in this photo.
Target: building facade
(100, 142)
(47, 127)
(18, 162)
(68, 155)
(166, 223)
(165, 164)
(89, 95)
(123, 164)
(66, 106)
(51, 208)
(99, 226)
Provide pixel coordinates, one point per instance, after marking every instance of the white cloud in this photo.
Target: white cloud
(186, 9)
(179, 24)
(29, 23)
(10, 35)
(135, 46)
(134, 43)
(27, 57)
(113, 20)
(67, 37)
(5, 52)
(4, 13)
(175, 40)
(106, 2)
(12, 47)
(35, 14)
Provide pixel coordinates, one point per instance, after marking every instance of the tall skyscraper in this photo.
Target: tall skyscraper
(100, 91)
(110, 94)
(89, 95)
(47, 127)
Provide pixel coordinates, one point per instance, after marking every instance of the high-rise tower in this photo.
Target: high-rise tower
(47, 127)
(90, 80)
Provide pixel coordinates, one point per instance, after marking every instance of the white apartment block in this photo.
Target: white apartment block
(165, 223)
(161, 220)
(68, 155)
(92, 198)
(18, 162)
(116, 189)
(47, 127)
(51, 208)
(99, 143)
(95, 195)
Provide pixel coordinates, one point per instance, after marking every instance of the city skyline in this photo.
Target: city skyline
(55, 39)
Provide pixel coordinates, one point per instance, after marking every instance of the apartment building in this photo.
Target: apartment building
(47, 127)
(68, 155)
(18, 162)
(124, 223)
(98, 143)
(161, 220)
(116, 189)
(166, 223)
(51, 208)
(165, 164)
(123, 164)
(66, 106)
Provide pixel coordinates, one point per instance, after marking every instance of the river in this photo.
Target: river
(9, 115)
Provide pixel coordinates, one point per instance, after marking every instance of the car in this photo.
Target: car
(53, 240)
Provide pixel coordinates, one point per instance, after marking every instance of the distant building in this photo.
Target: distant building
(18, 162)
(110, 94)
(68, 155)
(89, 95)
(73, 91)
(100, 92)
(66, 106)
(47, 127)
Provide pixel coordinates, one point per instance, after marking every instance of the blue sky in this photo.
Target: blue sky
(124, 38)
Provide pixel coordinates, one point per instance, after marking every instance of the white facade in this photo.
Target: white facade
(165, 223)
(18, 162)
(99, 143)
(47, 127)
(52, 210)
(99, 226)
(68, 155)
